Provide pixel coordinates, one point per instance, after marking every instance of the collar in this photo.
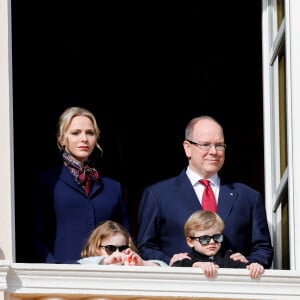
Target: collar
(194, 178)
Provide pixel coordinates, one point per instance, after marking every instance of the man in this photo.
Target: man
(165, 206)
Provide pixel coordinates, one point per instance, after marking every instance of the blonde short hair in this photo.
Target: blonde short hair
(202, 220)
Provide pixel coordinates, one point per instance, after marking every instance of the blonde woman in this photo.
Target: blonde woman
(72, 198)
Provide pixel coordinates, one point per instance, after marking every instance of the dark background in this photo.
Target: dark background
(144, 71)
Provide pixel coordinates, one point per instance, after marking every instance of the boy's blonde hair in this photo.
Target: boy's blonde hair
(202, 220)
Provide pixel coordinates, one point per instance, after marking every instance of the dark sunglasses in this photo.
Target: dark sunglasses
(111, 248)
(205, 239)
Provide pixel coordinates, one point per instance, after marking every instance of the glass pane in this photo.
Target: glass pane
(282, 112)
(285, 234)
(280, 12)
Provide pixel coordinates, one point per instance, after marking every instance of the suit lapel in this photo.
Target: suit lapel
(69, 179)
(227, 198)
(186, 190)
(96, 187)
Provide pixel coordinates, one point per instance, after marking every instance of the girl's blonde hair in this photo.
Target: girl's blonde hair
(64, 122)
(202, 220)
(102, 231)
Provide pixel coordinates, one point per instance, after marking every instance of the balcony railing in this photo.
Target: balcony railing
(88, 282)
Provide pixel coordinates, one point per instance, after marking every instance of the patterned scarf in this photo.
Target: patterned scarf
(81, 171)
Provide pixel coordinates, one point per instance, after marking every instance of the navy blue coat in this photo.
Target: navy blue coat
(165, 206)
(65, 215)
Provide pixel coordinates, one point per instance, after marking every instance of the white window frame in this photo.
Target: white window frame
(289, 33)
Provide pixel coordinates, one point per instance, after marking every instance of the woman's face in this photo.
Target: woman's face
(81, 138)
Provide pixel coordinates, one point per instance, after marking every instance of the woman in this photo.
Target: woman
(73, 198)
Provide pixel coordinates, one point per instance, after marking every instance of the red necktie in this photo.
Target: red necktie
(208, 197)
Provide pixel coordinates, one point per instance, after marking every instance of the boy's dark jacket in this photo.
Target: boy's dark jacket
(223, 261)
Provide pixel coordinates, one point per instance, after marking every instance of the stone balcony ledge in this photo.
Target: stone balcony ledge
(64, 281)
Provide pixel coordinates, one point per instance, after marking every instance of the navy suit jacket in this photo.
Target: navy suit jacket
(165, 206)
(65, 215)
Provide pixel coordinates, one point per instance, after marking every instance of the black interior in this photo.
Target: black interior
(144, 71)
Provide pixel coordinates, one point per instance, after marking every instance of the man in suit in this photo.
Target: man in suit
(165, 206)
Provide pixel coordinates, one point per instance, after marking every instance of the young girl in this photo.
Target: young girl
(110, 243)
(203, 233)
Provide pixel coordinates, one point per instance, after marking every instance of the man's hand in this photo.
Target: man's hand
(239, 256)
(178, 256)
(255, 270)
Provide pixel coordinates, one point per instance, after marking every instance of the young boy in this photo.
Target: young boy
(203, 233)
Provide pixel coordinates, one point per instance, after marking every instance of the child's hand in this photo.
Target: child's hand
(255, 270)
(209, 268)
(116, 258)
(132, 258)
